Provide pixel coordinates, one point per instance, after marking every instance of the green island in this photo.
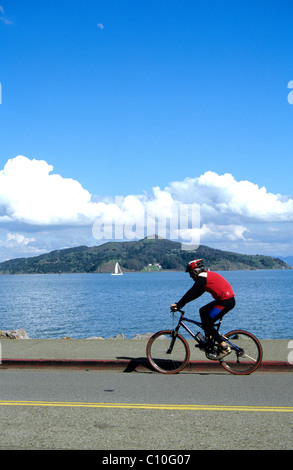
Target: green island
(148, 254)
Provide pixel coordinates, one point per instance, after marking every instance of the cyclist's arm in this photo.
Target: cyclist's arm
(196, 291)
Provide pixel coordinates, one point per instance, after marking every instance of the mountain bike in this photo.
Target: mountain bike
(168, 352)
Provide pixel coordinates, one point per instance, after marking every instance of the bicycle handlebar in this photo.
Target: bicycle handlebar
(177, 310)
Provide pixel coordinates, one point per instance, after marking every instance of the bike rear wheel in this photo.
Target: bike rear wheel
(162, 358)
(247, 358)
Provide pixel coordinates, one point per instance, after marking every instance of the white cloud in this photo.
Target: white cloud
(31, 195)
(222, 196)
(212, 232)
(40, 210)
(16, 245)
(238, 215)
(3, 17)
(18, 239)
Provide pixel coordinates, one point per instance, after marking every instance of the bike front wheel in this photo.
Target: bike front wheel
(167, 353)
(246, 356)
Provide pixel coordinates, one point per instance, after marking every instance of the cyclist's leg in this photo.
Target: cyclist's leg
(208, 320)
(212, 312)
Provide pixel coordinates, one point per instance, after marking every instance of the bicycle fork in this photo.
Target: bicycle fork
(174, 336)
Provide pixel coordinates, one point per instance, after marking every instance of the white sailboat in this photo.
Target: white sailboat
(118, 270)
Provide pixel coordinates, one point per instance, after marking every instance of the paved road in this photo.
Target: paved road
(143, 410)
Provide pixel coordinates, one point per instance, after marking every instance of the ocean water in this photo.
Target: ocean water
(86, 305)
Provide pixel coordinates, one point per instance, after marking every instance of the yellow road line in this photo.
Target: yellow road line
(144, 406)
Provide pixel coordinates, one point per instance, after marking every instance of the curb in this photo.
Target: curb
(131, 365)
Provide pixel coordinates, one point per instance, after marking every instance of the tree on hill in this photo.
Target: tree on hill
(135, 256)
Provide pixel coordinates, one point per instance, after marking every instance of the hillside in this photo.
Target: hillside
(147, 254)
(287, 259)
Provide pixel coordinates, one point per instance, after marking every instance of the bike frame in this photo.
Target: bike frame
(181, 323)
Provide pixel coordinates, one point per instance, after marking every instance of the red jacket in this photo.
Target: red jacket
(211, 282)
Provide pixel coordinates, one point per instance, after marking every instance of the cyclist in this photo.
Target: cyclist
(224, 300)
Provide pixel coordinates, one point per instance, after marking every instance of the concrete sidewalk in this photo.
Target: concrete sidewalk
(116, 354)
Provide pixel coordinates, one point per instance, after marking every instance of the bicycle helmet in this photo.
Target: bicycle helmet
(195, 264)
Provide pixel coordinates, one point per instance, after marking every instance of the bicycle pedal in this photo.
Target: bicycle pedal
(223, 353)
(211, 356)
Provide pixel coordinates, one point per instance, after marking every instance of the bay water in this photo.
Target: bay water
(87, 305)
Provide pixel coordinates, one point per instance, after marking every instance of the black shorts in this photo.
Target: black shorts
(216, 309)
(212, 312)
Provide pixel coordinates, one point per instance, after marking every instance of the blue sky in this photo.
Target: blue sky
(121, 97)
